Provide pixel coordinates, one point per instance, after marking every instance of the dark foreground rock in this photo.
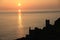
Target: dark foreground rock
(49, 32)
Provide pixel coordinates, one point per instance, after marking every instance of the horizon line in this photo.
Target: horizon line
(33, 11)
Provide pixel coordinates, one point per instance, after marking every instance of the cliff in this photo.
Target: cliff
(49, 32)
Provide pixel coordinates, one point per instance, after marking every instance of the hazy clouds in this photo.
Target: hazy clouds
(41, 4)
(30, 4)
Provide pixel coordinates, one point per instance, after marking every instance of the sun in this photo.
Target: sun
(19, 7)
(19, 4)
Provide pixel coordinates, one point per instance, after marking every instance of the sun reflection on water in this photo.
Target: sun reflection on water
(21, 31)
(20, 20)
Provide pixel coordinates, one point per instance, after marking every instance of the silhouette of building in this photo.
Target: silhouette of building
(47, 23)
(49, 32)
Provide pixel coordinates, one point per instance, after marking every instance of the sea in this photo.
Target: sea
(15, 25)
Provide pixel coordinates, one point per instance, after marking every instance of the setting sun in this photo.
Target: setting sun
(19, 4)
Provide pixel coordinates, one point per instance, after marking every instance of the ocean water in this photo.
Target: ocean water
(14, 25)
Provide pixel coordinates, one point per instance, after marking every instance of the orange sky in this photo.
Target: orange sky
(29, 4)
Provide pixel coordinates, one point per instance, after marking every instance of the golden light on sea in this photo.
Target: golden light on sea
(19, 10)
(21, 31)
(20, 20)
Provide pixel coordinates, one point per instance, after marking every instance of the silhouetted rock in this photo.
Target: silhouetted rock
(49, 32)
(57, 25)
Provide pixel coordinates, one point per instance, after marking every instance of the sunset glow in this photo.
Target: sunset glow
(19, 17)
(19, 7)
(19, 4)
(13, 5)
(20, 26)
